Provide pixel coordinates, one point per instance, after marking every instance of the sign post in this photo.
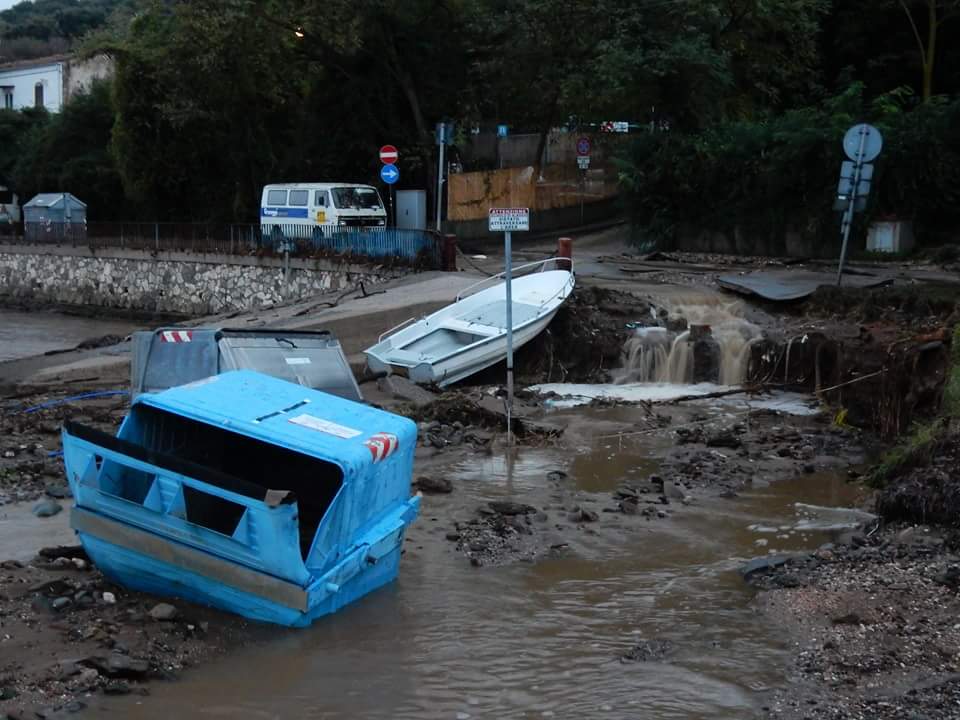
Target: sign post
(508, 221)
(583, 162)
(389, 173)
(862, 143)
(444, 138)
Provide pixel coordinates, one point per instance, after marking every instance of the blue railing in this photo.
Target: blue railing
(417, 247)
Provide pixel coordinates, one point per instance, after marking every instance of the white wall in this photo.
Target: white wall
(81, 74)
(24, 80)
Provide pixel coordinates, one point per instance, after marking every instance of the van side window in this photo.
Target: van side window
(321, 198)
(276, 197)
(299, 197)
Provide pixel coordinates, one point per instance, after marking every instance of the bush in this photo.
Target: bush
(767, 176)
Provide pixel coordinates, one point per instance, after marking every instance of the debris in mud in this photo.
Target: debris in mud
(431, 485)
(458, 417)
(108, 640)
(648, 651)
(502, 532)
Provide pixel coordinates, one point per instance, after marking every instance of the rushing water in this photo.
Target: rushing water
(659, 355)
(25, 334)
(450, 641)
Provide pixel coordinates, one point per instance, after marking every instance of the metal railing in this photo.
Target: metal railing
(420, 248)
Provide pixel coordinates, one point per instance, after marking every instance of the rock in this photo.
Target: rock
(433, 486)
(848, 619)
(662, 514)
(648, 650)
(556, 476)
(583, 515)
(116, 687)
(725, 439)
(453, 536)
(671, 491)
(164, 612)
(118, 666)
(58, 491)
(109, 598)
(809, 468)
(949, 578)
(61, 603)
(630, 506)
(47, 508)
(764, 563)
(504, 507)
(8, 693)
(66, 551)
(403, 389)
(79, 563)
(87, 677)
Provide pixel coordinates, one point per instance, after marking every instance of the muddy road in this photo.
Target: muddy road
(592, 570)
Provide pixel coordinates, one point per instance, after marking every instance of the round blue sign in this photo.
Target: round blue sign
(389, 174)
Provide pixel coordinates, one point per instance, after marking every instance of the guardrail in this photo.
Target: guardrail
(421, 248)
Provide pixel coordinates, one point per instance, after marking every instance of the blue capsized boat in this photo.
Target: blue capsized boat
(248, 493)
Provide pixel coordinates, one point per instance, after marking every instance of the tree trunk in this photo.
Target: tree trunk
(931, 50)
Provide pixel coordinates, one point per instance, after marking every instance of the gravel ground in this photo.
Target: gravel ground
(875, 622)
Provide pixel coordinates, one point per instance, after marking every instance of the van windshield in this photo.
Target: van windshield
(356, 198)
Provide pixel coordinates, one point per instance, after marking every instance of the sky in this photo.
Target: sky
(5, 4)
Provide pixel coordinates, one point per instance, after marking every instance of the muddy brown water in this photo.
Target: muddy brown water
(25, 334)
(532, 640)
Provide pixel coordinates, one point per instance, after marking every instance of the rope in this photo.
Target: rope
(74, 398)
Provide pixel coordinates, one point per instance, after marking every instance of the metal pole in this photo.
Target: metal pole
(848, 215)
(440, 176)
(509, 278)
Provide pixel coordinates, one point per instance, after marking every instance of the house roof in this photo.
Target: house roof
(34, 62)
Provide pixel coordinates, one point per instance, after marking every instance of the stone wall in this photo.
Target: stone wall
(170, 282)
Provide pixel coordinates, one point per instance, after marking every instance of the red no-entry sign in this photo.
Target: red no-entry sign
(388, 154)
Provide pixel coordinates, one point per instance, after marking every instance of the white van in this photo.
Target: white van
(321, 204)
(9, 209)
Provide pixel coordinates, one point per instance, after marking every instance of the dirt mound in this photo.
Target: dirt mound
(919, 307)
(928, 491)
(584, 341)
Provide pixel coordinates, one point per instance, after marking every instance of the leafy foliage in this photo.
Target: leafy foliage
(779, 172)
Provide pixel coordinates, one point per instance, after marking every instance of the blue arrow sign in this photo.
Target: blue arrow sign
(389, 174)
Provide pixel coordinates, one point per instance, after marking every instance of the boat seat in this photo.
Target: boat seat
(473, 328)
(495, 314)
(403, 357)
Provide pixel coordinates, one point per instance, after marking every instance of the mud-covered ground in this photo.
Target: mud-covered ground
(858, 611)
(67, 632)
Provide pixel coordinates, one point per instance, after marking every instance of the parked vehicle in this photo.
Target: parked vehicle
(324, 208)
(471, 334)
(169, 357)
(248, 493)
(9, 210)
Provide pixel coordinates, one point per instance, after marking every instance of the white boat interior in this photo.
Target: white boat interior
(470, 334)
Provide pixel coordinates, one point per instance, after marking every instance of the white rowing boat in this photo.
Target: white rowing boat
(471, 334)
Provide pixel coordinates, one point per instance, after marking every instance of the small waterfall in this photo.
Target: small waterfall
(701, 340)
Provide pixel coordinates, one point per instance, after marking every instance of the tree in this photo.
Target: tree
(69, 152)
(937, 13)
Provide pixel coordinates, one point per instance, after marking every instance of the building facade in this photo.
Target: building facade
(49, 82)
